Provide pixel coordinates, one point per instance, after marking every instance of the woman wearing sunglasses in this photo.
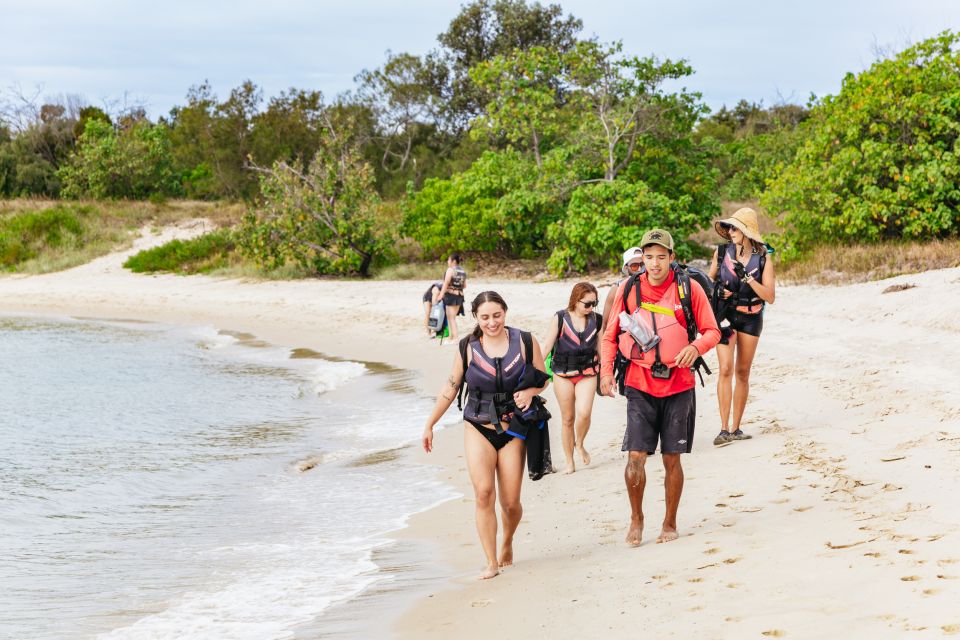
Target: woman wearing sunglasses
(747, 283)
(573, 341)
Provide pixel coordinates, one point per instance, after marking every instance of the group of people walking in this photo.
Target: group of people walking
(657, 324)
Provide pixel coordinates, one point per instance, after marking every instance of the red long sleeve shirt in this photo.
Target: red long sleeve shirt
(639, 377)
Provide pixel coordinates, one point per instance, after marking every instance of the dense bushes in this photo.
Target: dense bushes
(880, 159)
(133, 163)
(604, 218)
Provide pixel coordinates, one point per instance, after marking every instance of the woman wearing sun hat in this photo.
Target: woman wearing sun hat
(747, 283)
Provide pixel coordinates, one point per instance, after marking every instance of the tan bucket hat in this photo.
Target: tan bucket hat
(745, 220)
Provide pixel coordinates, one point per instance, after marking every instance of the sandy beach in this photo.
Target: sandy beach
(838, 518)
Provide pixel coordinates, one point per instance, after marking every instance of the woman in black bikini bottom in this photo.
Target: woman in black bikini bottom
(495, 362)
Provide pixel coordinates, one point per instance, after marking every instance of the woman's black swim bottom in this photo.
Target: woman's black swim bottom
(453, 299)
(497, 440)
(748, 323)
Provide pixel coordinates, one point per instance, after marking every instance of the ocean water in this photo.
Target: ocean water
(168, 482)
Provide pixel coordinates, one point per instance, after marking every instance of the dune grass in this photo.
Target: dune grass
(40, 236)
(203, 254)
(866, 263)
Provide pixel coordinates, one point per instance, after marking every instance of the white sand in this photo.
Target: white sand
(840, 518)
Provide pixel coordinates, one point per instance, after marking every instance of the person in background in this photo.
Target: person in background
(632, 262)
(573, 339)
(451, 292)
(748, 284)
(428, 297)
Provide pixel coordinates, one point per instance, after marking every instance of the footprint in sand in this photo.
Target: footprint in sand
(712, 550)
(802, 509)
(774, 633)
(943, 577)
(734, 585)
(732, 560)
(695, 580)
(481, 603)
(873, 554)
(931, 592)
(951, 629)
(905, 551)
(948, 561)
(910, 578)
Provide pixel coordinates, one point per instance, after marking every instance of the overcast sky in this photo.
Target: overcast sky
(153, 52)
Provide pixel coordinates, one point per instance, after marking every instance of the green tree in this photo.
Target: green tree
(501, 203)
(525, 107)
(133, 163)
(323, 216)
(879, 160)
(604, 217)
(483, 30)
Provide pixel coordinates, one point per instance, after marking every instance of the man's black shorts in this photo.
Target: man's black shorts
(668, 420)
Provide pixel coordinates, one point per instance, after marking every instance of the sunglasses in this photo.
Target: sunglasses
(727, 227)
(590, 304)
(634, 266)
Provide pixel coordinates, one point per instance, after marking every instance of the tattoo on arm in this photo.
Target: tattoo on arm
(453, 382)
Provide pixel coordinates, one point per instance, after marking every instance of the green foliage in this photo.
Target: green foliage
(483, 30)
(202, 254)
(30, 157)
(879, 160)
(24, 235)
(750, 145)
(525, 101)
(499, 204)
(605, 217)
(322, 217)
(133, 163)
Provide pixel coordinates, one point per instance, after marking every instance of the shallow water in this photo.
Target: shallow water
(151, 483)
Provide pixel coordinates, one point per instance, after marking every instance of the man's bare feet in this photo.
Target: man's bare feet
(584, 455)
(668, 534)
(635, 532)
(490, 572)
(506, 555)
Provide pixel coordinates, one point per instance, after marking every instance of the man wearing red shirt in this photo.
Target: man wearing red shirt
(659, 385)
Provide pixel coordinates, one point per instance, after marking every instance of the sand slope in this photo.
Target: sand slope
(839, 518)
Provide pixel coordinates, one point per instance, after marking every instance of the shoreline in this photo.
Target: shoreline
(837, 515)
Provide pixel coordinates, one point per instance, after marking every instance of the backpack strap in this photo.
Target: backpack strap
(633, 281)
(527, 338)
(464, 342)
(684, 290)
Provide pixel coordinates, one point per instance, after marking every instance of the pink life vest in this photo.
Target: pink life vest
(667, 316)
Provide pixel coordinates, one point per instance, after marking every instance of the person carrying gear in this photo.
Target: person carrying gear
(666, 309)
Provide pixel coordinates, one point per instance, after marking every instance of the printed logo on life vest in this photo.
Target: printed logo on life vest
(681, 442)
(512, 362)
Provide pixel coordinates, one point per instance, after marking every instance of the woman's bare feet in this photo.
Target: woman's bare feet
(506, 555)
(570, 468)
(668, 534)
(584, 455)
(635, 532)
(491, 571)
